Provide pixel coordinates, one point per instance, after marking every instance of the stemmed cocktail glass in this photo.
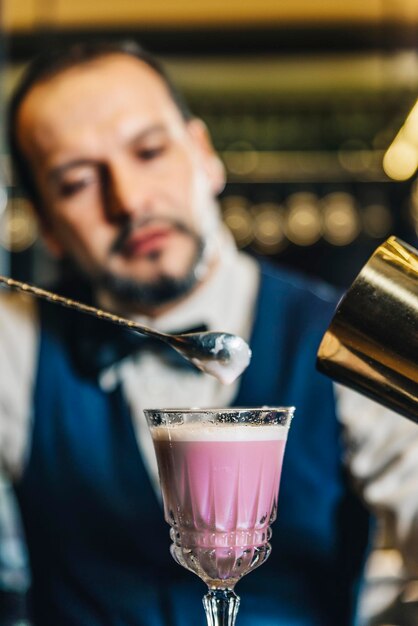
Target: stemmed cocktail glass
(219, 472)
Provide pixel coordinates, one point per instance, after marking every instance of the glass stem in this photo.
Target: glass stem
(221, 607)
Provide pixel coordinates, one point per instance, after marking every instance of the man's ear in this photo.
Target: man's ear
(212, 163)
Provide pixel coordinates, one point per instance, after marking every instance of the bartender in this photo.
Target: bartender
(124, 181)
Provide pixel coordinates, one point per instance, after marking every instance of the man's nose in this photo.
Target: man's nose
(126, 193)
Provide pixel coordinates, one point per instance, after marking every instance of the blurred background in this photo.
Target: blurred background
(312, 105)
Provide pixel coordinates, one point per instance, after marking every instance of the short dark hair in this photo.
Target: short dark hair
(51, 63)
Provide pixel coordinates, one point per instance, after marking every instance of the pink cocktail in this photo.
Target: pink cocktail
(220, 473)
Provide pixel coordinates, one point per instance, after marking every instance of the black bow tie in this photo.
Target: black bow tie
(97, 345)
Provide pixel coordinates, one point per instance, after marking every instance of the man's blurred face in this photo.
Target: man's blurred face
(127, 185)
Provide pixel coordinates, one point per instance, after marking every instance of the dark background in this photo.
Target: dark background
(286, 140)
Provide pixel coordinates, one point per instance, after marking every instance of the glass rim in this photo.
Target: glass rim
(231, 409)
(249, 416)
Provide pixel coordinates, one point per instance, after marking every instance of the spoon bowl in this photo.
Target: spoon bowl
(223, 355)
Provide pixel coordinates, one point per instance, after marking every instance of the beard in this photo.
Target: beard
(164, 288)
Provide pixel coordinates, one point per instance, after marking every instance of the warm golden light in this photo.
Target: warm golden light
(401, 159)
(410, 128)
(341, 223)
(18, 226)
(237, 217)
(27, 14)
(303, 225)
(268, 229)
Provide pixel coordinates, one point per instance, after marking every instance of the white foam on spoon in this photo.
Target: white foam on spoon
(226, 371)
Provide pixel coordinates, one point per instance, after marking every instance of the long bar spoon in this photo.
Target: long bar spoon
(220, 354)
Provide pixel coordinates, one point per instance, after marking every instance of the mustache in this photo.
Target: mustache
(130, 227)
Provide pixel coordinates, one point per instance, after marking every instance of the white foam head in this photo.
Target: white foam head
(219, 432)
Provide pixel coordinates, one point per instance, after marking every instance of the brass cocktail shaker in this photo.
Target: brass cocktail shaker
(371, 344)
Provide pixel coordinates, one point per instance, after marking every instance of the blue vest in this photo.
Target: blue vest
(98, 544)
